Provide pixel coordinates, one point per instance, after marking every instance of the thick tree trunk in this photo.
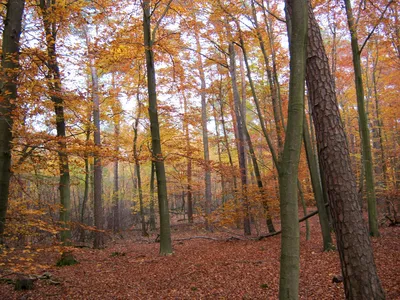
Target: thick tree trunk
(290, 241)
(360, 278)
(241, 139)
(8, 90)
(363, 119)
(165, 231)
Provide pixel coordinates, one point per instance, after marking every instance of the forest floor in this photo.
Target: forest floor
(218, 268)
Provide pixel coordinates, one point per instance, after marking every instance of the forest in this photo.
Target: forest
(217, 149)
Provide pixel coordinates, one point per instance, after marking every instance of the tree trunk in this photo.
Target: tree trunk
(86, 188)
(358, 267)
(241, 138)
(189, 161)
(54, 85)
(152, 212)
(290, 241)
(317, 189)
(98, 169)
(165, 231)
(363, 119)
(116, 108)
(137, 167)
(207, 172)
(8, 90)
(257, 172)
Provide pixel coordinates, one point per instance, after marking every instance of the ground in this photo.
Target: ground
(224, 268)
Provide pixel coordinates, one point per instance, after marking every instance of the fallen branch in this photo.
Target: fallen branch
(261, 237)
(197, 237)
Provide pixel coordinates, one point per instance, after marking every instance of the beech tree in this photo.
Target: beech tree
(149, 35)
(290, 241)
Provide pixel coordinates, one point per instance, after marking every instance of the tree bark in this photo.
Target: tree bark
(8, 93)
(290, 241)
(358, 267)
(165, 231)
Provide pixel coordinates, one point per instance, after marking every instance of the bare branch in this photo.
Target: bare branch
(376, 25)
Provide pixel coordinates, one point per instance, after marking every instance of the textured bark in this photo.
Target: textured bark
(290, 241)
(8, 94)
(165, 231)
(358, 267)
(241, 138)
(55, 89)
(363, 121)
(207, 171)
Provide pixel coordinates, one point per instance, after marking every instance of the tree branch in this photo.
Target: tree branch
(376, 25)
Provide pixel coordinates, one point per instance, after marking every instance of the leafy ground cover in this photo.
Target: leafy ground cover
(210, 266)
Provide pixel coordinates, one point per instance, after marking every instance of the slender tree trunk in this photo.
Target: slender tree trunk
(241, 138)
(226, 142)
(98, 168)
(358, 267)
(204, 119)
(317, 189)
(117, 120)
(137, 167)
(254, 160)
(219, 153)
(165, 231)
(8, 93)
(152, 212)
(86, 188)
(290, 241)
(189, 161)
(363, 119)
(54, 84)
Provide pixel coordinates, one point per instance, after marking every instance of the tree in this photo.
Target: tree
(290, 241)
(165, 232)
(8, 94)
(363, 121)
(241, 137)
(56, 96)
(207, 172)
(358, 267)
